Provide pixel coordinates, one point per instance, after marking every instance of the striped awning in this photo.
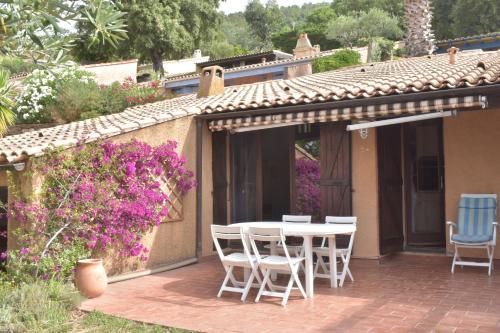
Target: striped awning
(351, 113)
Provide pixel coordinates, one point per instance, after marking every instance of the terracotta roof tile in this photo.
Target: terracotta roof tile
(365, 81)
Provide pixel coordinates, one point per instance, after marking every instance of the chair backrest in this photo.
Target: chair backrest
(227, 232)
(296, 218)
(263, 234)
(343, 220)
(476, 214)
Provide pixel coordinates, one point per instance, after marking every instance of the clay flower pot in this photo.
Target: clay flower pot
(90, 277)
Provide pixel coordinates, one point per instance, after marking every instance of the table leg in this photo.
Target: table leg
(332, 248)
(309, 266)
(274, 251)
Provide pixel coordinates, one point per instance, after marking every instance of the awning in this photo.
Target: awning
(351, 113)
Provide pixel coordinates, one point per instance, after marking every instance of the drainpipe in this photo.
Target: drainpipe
(199, 188)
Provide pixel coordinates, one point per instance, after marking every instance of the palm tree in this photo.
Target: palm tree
(7, 116)
(418, 21)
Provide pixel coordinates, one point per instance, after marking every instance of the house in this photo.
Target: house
(258, 67)
(109, 72)
(402, 181)
(485, 42)
(181, 66)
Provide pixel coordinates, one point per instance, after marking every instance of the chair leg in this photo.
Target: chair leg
(247, 287)
(346, 268)
(229, 275)
(316, 267)
(266, 272)
(299, 285)
(323, 266)
(454, 260)
(288, 290)
(490, 257)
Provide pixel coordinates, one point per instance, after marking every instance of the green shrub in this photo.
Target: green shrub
(74, 99)
(342, 58)
(16, 65)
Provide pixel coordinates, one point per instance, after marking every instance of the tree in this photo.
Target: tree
(442, 21)
(160, 30)
(418, 21)
(27, 27)
(264, 21)
(346, 30)
(472, 17)
(349, 7)
(365, 27)
(7, 116)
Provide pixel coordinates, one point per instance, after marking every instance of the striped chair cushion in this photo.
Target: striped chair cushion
(475, 218)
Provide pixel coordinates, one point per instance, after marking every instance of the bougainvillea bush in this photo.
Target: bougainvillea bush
(99, 197)
(307, 185)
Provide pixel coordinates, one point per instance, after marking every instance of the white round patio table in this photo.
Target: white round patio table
(308, 231)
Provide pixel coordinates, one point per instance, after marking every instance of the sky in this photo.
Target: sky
(232, 6)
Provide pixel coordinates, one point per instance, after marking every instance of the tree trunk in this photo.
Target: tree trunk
(418, 20)
(156, 59)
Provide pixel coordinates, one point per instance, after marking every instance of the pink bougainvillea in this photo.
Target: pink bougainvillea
(98, 197)
(307, 184)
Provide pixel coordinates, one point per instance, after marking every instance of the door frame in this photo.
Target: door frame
(408, 191)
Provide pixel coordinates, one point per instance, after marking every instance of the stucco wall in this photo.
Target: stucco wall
(365, 194)
(108, 73)
(169, 243)
(472, 159)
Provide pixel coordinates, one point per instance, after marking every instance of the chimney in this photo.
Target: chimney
(211, 81)
(453, 54)
(304, 47)
(197, 54)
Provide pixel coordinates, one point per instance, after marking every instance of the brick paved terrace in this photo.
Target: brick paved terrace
(406, 293)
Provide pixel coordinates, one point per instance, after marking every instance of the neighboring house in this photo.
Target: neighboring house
(272, 65)
(109, 72)
(486, 42)
(181, 66)
(401, 181)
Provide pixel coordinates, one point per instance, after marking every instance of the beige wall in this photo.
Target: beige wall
(365, 194)
(472, 159)
(108, 73)
(171, 242)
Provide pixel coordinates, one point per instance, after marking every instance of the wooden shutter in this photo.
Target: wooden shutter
(219, 174)
(335, 164)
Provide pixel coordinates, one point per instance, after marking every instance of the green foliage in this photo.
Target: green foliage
(382, 49)
(350, 7)
(37, 307)
(7, 115)
(472, 17)
(73, 99)
(15, 65)
(161, 30)
(264, 21)
(340, 59)
(350, 30)
(28, 27)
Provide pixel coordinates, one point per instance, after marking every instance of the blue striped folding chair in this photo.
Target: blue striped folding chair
(476, 228)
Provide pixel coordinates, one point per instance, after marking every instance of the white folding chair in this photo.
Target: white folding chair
(297, 250)
(244, 260)
(271, 263)
(344, 253)
(476, 228)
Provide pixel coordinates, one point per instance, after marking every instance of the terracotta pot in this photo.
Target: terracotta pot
(90, 277)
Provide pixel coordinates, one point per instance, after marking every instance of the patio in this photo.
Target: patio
(404, 293)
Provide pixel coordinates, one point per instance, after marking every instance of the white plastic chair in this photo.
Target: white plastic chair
(271, 263)
(343, 253)
(297, 250)
(476, 228)
(244, 260)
